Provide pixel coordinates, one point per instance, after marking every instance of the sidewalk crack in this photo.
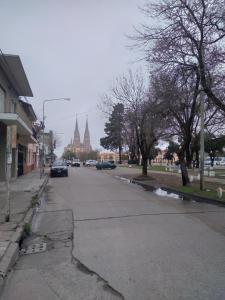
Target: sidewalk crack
(149, 214)
(83, 268)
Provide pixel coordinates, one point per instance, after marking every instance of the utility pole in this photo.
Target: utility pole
(202, 113)
(202, 146)
(8, 170)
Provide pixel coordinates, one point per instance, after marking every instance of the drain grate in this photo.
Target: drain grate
(34, 248)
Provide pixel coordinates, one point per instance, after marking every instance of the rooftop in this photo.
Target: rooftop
(12, 66)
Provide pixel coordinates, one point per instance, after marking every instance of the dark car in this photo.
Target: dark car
(59, 168)
(75, 163)
(105, 165)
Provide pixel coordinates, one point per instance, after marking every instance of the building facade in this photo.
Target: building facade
(16, 119)
(109, 156)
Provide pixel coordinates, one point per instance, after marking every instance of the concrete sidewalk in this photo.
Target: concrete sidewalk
(23, 191)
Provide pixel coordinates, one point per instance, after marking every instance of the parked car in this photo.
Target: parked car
(217, 161)
(59, 168)
(75, 163)
(90, 163)
(68, 162)
(222, 163)
(105, 165)
(207, 162)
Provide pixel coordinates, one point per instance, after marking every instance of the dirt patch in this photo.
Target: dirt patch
(170, 181)
(143, 178)
(166, 180)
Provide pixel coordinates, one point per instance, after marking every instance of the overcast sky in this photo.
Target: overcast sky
(70, 48)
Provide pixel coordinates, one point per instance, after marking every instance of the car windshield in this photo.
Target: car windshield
(58, 163)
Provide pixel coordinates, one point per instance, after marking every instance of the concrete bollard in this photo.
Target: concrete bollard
(212, 174)
(220, 192)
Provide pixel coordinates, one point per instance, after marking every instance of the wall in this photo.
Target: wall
(105, 156)
(9, 106)
(31, 158)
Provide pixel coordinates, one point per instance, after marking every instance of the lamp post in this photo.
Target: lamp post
(43, 131)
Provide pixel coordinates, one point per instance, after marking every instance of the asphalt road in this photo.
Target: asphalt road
(142, 245)
(145, 246)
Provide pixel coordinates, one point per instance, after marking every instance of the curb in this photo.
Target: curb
(12, 252)
(182, 194)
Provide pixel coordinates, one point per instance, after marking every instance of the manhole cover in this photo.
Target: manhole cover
(35, 248)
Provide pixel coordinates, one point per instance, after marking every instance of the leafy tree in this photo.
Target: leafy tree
(114, 130)
(153, 153)
(94, 155)
(214, 146)
(69, 155)
(169, 154)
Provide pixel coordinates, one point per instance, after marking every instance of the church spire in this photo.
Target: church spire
(76, 139)
(87, 143)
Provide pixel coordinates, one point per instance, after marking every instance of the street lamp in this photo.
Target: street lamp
(43, 124)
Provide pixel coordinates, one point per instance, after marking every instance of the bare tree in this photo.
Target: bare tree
(141, 111)
(179, 93)
(191, 35)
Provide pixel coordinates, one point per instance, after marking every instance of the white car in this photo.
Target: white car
(90, 163)
(207, 162)
(222, 163)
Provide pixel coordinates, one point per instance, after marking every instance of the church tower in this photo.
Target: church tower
(76, 139)
(86, 143)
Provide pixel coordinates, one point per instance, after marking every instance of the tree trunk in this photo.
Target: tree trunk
(183, 167)
(197, 159)
(120, 155)
(138, 157)
(144, 166)
(184, 174)
(188, 154)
